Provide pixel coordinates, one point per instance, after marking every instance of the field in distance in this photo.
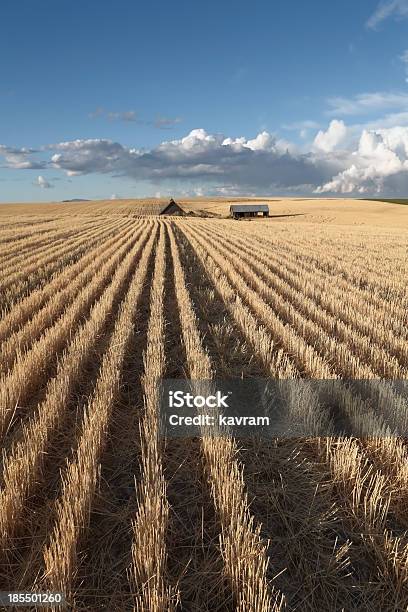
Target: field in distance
(101, 299)
(342, 211)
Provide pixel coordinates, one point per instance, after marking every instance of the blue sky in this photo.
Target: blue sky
(140, 99)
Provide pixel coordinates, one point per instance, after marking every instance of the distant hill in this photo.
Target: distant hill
(77, 200)
(403, 201)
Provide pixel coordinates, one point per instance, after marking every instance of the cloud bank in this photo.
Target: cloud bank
(341, 159)
(262, 163)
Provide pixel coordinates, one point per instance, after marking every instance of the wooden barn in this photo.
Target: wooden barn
(172, 208)
(240, 211)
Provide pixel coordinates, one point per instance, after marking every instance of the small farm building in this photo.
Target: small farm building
(172, 208)
(238, 211)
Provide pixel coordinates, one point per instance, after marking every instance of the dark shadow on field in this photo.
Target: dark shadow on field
(23, 564)
(269, 217)
(291, 215)
(194, 561)
(318, 558)
(106, 554)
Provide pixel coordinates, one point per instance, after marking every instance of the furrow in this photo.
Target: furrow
(82, 474)
(32, 368)
(243, 551)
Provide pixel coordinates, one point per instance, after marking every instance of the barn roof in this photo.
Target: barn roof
(171, 205)
(237, 208)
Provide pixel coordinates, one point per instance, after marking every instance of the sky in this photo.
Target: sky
(127, 99)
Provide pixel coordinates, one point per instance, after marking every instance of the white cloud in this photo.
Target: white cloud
(385, 9)
(367, 103)
(387, 121)
(236, 144)
(263, 161)
(20, 158)
(334, 136)
(263, 142)
(350, 159)
(196, 142)
(380, 163)
(341, 160)
(114, 196)
(43, 183)
(90, 155)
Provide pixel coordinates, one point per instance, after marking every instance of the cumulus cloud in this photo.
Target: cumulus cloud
(43, 183)
(380, 163)
(331, 139)
(89, 155)
(377, 162)
(20, 158)
(261, 162)
(342, 159)
(385, 9)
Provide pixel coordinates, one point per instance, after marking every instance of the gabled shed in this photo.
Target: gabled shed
(172, 208)
(238, 211)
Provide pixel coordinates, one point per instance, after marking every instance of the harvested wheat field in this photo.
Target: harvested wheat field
(99, 301)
